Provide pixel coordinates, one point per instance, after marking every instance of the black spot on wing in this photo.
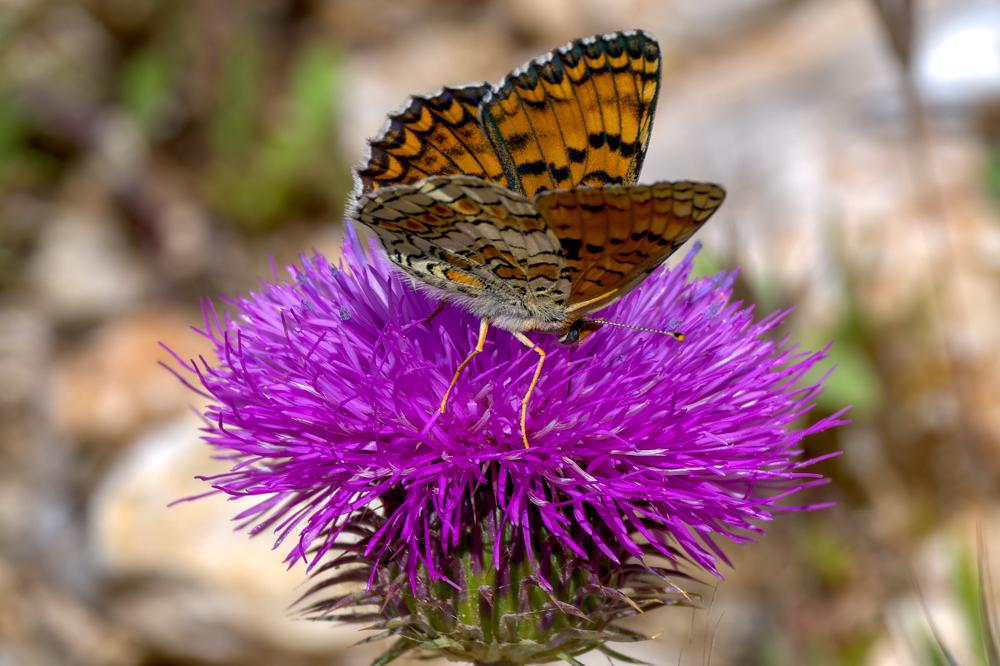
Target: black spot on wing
(571, 247)
(560, 173)
(518, 141)
(534, 168)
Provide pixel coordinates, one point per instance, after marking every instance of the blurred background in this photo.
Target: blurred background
(156, 151)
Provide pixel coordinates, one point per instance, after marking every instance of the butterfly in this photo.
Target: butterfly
(518, 201)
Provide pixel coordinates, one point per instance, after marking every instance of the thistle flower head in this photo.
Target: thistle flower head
(325, 397)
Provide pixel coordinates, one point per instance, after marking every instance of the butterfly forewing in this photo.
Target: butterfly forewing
(580, 115)
(523, 193)
(433, 135)
(465, 235)
(612, 237)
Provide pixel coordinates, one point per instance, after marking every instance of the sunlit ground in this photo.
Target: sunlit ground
(152, 153)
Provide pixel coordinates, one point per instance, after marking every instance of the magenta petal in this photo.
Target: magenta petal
(325, 399)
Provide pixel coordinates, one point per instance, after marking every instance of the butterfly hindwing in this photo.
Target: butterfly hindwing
(580, 115)
(433, 135)
(612, 237)
(465, 235)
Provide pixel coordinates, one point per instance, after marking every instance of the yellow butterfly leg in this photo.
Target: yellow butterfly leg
(484, 326)
(526, 341)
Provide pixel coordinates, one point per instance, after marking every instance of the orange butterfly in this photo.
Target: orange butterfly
(518, 201)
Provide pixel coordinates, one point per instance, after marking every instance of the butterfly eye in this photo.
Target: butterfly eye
(578, 330)
(570, 337)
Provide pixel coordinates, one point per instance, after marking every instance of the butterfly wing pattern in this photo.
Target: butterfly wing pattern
(479, 244)
(580, 115)
(613, 237)
(518, 201)
(534, 264)
(433, 135)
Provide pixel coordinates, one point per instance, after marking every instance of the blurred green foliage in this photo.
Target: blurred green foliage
(968, 593)
(993, 174)
(244, 105)
(20, 168)
(826, 554)
(974, 602)
(705, 263)
(148, 84)
(13, 134)
(854, 381)
(262, 170)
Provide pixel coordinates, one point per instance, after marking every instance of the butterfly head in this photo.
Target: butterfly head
(577, 331)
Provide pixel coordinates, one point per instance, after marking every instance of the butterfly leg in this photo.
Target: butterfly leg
(526, 341)
(484, 326)
(426, 320)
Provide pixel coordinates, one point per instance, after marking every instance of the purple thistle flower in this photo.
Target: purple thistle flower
(325, 397)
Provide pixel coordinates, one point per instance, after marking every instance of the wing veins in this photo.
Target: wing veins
(474, 154)
(531, 126)
(562, 137)
(583, 118)
(640, 148)
(597, 96)
(618, 105)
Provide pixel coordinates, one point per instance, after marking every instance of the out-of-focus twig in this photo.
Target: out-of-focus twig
(987, 604)
(938, 643)
(899, 23)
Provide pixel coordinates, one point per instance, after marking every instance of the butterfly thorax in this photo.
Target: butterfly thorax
(523, 316)
(533, 316)
(505, 308)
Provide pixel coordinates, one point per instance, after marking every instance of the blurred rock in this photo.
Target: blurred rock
(119, 151)
(25, 346)
(41, 625)
(58, 45)
(31, 462)
(83, 268)
(125, 14)
(686, 635)
(683, 27)
(111, 385)
(959, 66)
(380, 86)
(367, 23)
(188, 583)
(549, 22)
(21, 216)
(184, 233)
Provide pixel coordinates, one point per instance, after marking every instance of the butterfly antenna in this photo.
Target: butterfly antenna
(679, 337)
